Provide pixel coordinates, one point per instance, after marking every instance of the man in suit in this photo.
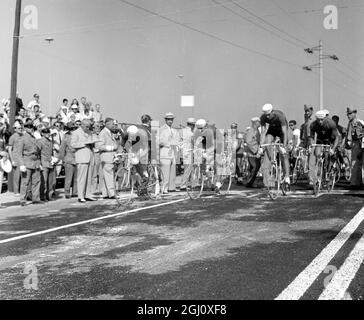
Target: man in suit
(107, 147)
(29, 165)
(14, 152)
(67, 155)
(83, 143)
(169, 141)
(45, 145)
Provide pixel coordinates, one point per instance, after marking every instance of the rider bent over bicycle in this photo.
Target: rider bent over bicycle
(274, 129)
(323, 132)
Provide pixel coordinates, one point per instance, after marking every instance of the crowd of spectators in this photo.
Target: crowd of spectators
(38, 146)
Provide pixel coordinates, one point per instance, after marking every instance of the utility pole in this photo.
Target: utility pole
(50, 40)
(320, 65)
(14, 63)
(14, 78)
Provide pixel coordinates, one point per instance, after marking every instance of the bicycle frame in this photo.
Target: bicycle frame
(276, 180)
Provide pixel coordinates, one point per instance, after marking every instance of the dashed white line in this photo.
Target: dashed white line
(305, 279)
(33, 234)
(337, 287)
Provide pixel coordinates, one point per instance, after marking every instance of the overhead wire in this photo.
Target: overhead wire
(257, 25)
(207, 34)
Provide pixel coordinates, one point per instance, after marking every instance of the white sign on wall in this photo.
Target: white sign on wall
(187, 101)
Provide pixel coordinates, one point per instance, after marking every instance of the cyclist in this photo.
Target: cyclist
(341, 152)
(274, 129)
(323, 131)
(204, 146)
(137, 144)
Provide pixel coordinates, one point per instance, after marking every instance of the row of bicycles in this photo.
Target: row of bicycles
(202, 177)
(328, 169)
(131, 183)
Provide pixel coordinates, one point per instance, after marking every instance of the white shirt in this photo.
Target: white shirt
(78, 116)
(37, 135)
(89, 116)
(31, 105)
(297, 133)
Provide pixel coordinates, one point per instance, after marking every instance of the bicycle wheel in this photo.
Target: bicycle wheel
(273, 181)
(124, 189)
(318, 179)
(333, 176)
(245, 170)
(223, 182)
(155, 181)
(195, 182)
(296, 171)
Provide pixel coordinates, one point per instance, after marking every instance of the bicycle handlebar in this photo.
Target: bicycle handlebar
(321, 145)
(272, 145)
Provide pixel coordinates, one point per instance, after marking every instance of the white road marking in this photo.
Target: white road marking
(254, 195)
(336, 289)
(304, 280)
(33, 234)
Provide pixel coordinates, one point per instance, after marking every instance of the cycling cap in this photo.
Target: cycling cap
(267, 108)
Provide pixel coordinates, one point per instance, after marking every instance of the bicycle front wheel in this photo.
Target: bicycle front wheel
(224, 183)
(318, 178)
(273, 182)
(155, 181)
(195, 182)
(124, 189)
(296, 171)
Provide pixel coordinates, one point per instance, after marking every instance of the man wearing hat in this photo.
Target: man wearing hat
(305, 128)
(45, 145)
(67, 155)
(169, 141)
(107, 146)
(74, 114)
(274, 126)
(354, 139)
(323, 131)
(252, 139)
(34, 102)
(29, 165)
(14, 153)
(82, 140)
(187, 136)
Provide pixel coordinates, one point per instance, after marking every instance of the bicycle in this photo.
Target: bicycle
(244, 166)
(300, 168)
(128, 180)
(202, 175)
(322, 177)
(276, 181)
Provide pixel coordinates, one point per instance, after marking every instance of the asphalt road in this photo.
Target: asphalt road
(243, 246)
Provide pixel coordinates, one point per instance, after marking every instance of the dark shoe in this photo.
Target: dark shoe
(113, 197)
(82, 200)
(90, 199)
(249, 186)
(74, 196)
(68, 196)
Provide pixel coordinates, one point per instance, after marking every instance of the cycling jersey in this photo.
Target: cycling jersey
(276, 121)
(326, 132)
